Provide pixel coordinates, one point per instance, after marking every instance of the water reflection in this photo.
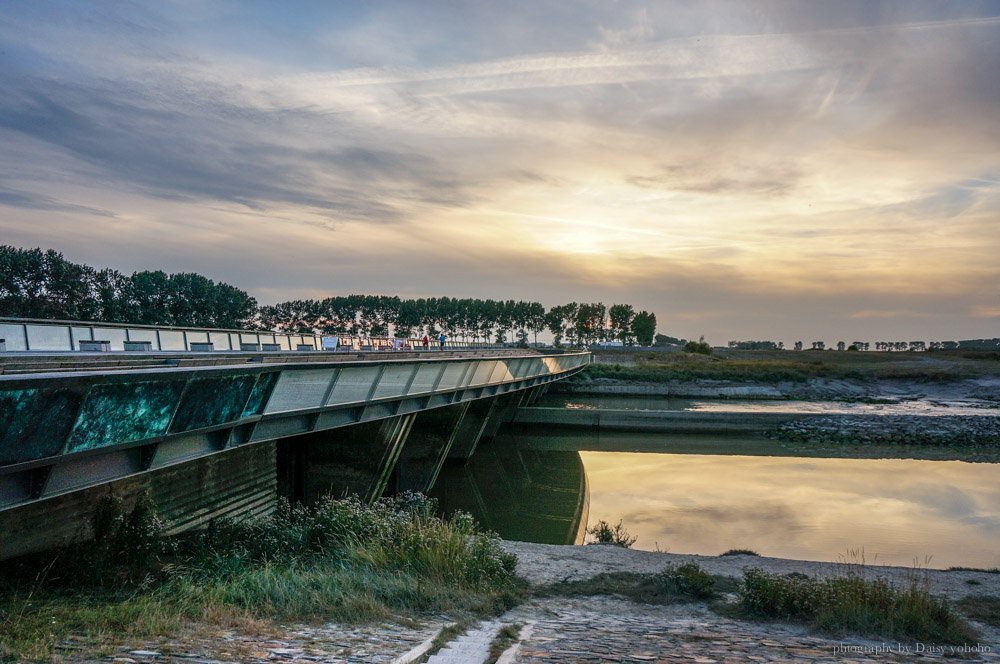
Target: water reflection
(536, 488)
(522, 494)
(907, 407)
(897, 510)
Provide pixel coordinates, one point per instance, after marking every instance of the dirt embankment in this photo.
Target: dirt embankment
(985, 390)
(548, 563)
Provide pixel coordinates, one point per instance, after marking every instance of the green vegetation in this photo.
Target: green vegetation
(43, 284)
(674, 584)
(605, 533)
(740, 552)
(853, 604)
(701, 347)
(342, 560)
(787, 366)
(984, 608)
(505, 638)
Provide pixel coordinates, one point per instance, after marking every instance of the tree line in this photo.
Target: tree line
(43, 284)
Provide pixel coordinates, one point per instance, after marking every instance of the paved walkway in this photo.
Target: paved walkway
(595, 630)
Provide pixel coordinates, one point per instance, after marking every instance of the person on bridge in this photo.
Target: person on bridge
(427, 341)
(442, 339)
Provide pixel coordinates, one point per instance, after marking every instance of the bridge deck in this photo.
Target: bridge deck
(41, 362)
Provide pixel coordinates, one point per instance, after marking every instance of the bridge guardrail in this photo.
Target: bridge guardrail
(21, 334)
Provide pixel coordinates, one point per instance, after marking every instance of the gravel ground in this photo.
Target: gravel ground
(547, 563)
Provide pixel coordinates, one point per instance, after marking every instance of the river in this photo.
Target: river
(550, 485)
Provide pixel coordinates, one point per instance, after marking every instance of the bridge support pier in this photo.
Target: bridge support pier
(357, 460)
(427, 447)
(484, 418)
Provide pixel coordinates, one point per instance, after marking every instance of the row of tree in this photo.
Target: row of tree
(43, 284)
(469, 319)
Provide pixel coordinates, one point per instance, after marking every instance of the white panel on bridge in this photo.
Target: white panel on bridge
(115, 335)
(298, 389)
(143, 335)
(14, 334)
(353, 385)
(501, 373)
(426, 377)
(551, 365)
(453, 373)
(47, 337)
(483, 372)
(394, 381)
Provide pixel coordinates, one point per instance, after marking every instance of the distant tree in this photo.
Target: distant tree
(620, 317)
(644, 328)
(664, 340)
(701, 347)
(798, 345)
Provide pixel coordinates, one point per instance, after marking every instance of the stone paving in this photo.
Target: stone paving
(326, 644)
(603, 629)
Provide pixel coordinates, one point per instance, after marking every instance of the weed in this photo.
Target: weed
(688, 579)
(673, 584)
(853, 604)
(342, 560)
(984, 608)
(605, 533)
(505, 638)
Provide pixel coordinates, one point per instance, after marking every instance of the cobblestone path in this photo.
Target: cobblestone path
(600, 629)
(328, 644)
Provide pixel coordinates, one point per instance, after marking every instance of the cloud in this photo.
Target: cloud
(765, 168)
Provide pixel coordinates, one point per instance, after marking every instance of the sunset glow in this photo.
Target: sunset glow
(744, 170)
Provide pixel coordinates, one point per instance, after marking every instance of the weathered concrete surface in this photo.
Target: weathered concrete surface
(652, 420)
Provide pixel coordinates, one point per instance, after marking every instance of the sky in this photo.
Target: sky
(744, 170)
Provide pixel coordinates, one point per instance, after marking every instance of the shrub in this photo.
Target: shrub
(688, 579)
(853, 604)
(604, 533)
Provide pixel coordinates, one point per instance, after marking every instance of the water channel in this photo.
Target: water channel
(705, 495)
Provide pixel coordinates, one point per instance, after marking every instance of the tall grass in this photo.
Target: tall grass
(342, 560)
(781, 366)
(854, 604)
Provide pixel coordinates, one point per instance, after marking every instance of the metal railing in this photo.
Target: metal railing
(28, 335)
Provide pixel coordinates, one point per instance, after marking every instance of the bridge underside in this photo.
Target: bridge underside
(367, 450)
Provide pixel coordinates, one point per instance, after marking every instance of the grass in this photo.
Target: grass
(983, 608)
(853, 604)
(794, 366)
(674, 584)
(505, 638)
(343, 560)
(991, 570)
(740, 552)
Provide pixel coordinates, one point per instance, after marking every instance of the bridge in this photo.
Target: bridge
(215, 432)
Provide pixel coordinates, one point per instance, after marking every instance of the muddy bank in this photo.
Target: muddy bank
(985, 390)
(548, 563)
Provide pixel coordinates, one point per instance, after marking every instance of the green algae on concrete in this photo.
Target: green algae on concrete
(34, 423)
(121, 412)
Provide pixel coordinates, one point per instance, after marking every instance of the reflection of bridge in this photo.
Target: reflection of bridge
(226, 435)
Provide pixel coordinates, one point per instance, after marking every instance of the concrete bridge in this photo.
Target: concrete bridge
(208, 435)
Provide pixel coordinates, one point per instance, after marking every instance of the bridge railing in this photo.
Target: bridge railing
(23, 335)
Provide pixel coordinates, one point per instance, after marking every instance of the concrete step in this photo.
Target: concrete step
(472, 647)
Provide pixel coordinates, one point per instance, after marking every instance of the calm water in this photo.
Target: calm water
(706, 494)
(907, 407)
(897, 511)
